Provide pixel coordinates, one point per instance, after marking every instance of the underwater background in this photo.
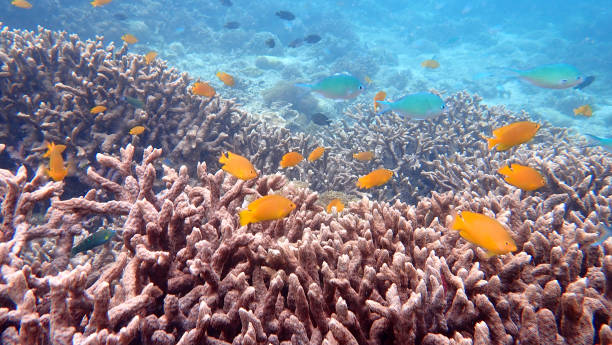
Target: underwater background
(282, 172)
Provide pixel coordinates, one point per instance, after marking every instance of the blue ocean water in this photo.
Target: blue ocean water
(382, 42)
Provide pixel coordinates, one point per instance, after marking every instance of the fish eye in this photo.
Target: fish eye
(442, 107)
(578, 77)
(563, 81)
(360, 87)
(507, 243)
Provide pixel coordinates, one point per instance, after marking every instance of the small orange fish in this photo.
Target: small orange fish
(380, 96)
(363, 156)
(430, 63)
(523, 177)
(97, 3)
(368, 80)
(291, 159)
(484, 232)
(150, 56)
(238, 166)
(57, 171)
(316, 154)
(226, 78)
(202, 89)
(129, 38)
(137, 130)
(268, 207)
(21, 4)
(585, 110)
(97, 109)
(335, 203)
(376, 178)
(513, 134)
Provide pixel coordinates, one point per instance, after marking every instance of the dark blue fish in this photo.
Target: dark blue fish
(270, 42)
(312, 38)
(226, 3)
(231, 25)
(296, 43)
(587, 81)
(286, 15)
(92, 241)
(120, 16)
(320, 119)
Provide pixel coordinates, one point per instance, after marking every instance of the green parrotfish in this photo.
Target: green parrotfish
(92, 241)
(555, 76)
(419, 106)
(338, 86)
(605, 143)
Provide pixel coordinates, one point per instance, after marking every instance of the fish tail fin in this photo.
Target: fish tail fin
(491, 142)
(306, 86)
(385, 107)
(224, 158)
(246, 217)
(457, 222)
(607, 233)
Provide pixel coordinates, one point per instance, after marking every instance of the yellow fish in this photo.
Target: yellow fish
(268, 207)
(226, 78)
(150, 56)
(97, 3)
(21, 4)
(129, 38)
(202, 89)
(585, 110)
(137, 130)
(238, 166)
(337, 204)
(513, 134)
(484, 232)
(363, 156)
(291, 159)
(57, 171)
(380, 96)
(430, 63)
(97, 109)
(523, 177)
(316, 154)
(376, 178)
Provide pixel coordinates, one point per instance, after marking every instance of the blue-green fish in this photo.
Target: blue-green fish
(605, 143)
(92, 241)
(555, 76)
(419, 106)
(338, 86)
(134, 101)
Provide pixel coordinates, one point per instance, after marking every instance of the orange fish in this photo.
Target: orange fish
(291, 159)
(380, 96)
(226, 78)
(585, 110)
(523, 177)
(137, 130)
(430, 63)
(129, 38)
(376, 178)
(57, 171)
(97, 3)
(268, 207)
(238, 166)
(513, 134)
(21, 4)
(202, 89)
(363, 156)
(316, 154)
(335, 203)
(485, 232)
(150, 56)
(97, 109)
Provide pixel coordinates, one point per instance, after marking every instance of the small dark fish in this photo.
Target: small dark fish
(134, 101)
(231, 25)
(270, 42)
(286, 15)
(312, 39)
(296, 43)
(120, 16)
(92, 241)
(587, 81)
(320, 119)
(226, 3)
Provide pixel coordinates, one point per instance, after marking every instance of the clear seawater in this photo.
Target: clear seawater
(384, 41)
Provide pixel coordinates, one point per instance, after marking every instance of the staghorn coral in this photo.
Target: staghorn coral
(377, 273)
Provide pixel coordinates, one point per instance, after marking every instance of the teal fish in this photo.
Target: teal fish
(134, 101)
(338, 86)
(605, 143)
(419, 106)
(555, 76)
(607, 232)
(92, 241)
